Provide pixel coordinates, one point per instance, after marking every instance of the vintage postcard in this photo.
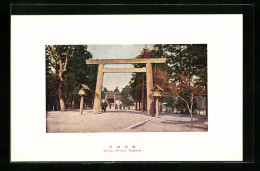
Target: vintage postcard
(126, 88)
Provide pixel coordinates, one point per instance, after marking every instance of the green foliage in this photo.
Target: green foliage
(79, 72)
(52, 85)
(170, 101)
(76, 72)
(187, 59)
(126, 96)
(179, 104)
(195, 105)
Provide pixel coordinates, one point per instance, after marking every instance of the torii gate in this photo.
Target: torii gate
(147, 69)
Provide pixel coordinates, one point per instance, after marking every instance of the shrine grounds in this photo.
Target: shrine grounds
(122, 121)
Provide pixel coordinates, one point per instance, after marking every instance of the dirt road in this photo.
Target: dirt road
(122, 121)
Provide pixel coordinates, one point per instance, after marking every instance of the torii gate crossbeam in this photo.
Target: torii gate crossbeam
(149, 78)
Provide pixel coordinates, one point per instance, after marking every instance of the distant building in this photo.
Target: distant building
(113, 98)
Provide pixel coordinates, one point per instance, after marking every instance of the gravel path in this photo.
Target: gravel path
(121, 121)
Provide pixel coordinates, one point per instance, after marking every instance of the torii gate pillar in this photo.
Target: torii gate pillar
(97, 101)
(149, 87)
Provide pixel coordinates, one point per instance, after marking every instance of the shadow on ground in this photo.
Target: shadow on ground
(122, 121)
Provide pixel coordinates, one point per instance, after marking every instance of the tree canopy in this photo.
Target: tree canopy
(182, 60)
(66, 65)
(126, 96)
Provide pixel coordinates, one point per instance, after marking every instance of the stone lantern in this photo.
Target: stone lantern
(82, 93)
(157, 93)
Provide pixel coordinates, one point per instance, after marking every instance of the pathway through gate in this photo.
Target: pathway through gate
(149, 78)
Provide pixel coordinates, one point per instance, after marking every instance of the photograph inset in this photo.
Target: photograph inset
(126, 88)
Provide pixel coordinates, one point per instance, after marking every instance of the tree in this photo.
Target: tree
(68, 63)
(52, 82)
(185, 89)
(138, 89)
(187, 61)
(126, 96)
(199, 54)
(170, 102)
(184, 59)
(138, 83)
(200, 101)
(186, 92)
(58, 60)
(179, 104)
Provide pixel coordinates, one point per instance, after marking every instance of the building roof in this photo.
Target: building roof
(109, 92)
(112, 95)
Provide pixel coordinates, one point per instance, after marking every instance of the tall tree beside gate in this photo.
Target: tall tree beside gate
(68, 64)
(138, 81)
(57, 57)
(138, 89)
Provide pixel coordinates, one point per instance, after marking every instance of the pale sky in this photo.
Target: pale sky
(111, 80)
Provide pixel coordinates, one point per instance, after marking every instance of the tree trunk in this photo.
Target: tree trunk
(200, 104)
(73, 102)
(160, 102)
(206, 99)
(181, 106)
(53, 107)
(190, 109)
(191, 119)
(181, 79)
(139, 105)
(136, 105)
(62, 103)
(66, 99)
(191, 124)
(142, 109)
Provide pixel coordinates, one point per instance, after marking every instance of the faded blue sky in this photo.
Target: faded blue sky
(111, 80)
